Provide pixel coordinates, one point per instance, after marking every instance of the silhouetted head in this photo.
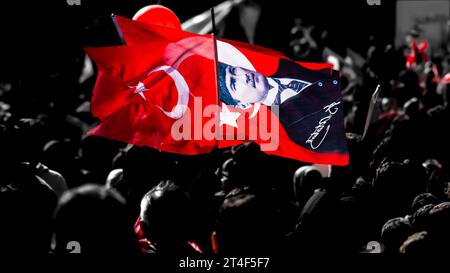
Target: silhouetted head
(57, 153)
(422, 200)
(20, 142)
(245, 225)
(95, 218)
(166, 212)
(30, 139)
(407, 86)
(306, 180)
(440, 221)
(27, 205)
(62, 156)
(412, 107)
(249, 168)
(227, 174)
(114, 178)
(421, 219)
(396, 185)
(394, 232)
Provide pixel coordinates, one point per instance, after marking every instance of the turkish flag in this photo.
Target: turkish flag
(291, 109)
(146, 93)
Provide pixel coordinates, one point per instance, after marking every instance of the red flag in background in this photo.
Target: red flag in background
(290, 109)
(418, 54)
(143, 91)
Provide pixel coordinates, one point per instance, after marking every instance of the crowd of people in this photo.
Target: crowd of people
(66, 191)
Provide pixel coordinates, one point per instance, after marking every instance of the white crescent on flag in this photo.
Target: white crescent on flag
(182, 89)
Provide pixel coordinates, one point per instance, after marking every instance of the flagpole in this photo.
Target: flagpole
(372, 103)
(216, 72)
(213, 21)
(119, 31)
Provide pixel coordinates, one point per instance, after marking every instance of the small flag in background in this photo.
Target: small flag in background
(418, 54)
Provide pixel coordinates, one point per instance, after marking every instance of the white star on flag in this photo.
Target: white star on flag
(140, 89)
(228, 117)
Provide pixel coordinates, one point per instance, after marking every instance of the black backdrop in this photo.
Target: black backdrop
(42, 40)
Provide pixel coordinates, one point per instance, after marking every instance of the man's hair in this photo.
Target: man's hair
(246, 224)
(166, 212)
(96, 217)
(306, 179)
(423, 199)
(394, 232)
(224, 93)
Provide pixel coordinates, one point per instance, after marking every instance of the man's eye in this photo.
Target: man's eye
(233, 84)
(233, 71)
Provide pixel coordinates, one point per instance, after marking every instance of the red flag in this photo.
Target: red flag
(300, 117)
(146, 91)
(418, 53)
(297, 127)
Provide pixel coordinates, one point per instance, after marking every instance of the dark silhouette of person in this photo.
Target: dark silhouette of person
(27, 204)
(165, 221)
(95, 220)
(246, 224)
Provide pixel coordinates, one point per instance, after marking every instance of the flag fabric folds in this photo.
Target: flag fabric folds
(142, 90)
(187, 93)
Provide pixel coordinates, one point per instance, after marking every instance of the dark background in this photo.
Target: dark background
(41, 56)
(41, 29)
(41, 41)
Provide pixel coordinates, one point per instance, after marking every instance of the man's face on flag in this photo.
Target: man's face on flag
(243, 85)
